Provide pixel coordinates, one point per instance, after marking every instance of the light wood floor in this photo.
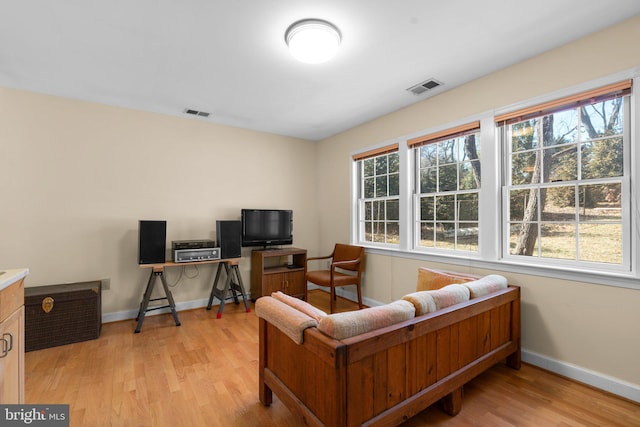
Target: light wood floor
(204, 373)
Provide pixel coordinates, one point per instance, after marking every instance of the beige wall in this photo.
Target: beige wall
(594, 327)
(76, 177)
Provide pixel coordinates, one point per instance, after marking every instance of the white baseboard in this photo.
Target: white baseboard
(595, 379)
(180, 306)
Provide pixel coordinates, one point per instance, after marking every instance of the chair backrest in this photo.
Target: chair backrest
(344, 252)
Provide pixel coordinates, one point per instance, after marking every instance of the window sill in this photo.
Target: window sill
(599, 278)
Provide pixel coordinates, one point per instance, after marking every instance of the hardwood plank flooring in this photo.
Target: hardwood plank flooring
(204, 373)
(321, 299)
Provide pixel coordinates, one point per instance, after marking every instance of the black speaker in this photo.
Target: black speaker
(152, 242)
(229, 238)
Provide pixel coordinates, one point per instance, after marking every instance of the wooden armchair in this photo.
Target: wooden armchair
(344, 257)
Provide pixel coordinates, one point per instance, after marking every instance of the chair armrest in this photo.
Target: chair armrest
(319, 257)
(347, 262)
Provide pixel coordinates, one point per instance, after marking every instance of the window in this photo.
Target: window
(379, 196)
(566, 180)
(546, 189)
(447, 176)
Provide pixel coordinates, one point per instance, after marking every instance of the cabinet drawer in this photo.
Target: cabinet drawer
(11, 298)
(12, 362)
(296, 283)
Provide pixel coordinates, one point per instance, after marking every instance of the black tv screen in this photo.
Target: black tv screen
(267, 227)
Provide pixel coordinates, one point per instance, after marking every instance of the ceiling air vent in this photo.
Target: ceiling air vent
(196, 112)
(425, 86)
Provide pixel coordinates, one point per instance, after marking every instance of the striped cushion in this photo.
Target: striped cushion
(289, 320)
(450, 295)
(299, 305)
(422, 301)
(486, 285)
(352, 323)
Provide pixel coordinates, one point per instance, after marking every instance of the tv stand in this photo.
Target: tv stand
(278, 269)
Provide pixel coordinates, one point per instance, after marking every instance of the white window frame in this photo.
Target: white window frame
(416, 196)
(358, 207)
(625, 265)
(490, 212)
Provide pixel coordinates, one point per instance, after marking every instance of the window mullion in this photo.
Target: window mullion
(631, 169)
(405, 215)
(490, 225)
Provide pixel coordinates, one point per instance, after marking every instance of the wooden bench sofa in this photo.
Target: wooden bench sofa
(387, 375)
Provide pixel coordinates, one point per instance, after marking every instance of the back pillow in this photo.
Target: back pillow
(429, 280)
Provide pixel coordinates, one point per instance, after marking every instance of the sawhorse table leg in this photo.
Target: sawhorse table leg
(144, 304)
(229, 285)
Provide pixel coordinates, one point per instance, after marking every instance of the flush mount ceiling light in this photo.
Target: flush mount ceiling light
(313, 41)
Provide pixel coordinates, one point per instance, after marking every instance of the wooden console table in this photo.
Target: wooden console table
(157, 270)
(275, 270)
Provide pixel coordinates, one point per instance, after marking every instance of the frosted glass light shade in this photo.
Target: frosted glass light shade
(313, 41)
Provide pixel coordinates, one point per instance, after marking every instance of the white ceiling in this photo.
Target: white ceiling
(229, 58)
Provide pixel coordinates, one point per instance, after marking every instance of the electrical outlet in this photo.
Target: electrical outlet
(106, 284)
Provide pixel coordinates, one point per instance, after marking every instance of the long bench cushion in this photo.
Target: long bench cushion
(299, 305)
(284, 317)
(351, 323)
(422, 301)
(486, 285)
(430, 301)
(429, 279)
(450, 295)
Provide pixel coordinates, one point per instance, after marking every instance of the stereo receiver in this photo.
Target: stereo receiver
(198, 254)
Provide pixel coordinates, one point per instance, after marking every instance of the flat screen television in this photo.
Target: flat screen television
(267, 227)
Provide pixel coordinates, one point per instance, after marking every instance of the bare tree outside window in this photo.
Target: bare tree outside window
(449, 181)
(379, 199)
(565, 198)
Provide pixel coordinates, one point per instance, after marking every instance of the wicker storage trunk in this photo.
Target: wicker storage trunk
(62, 314)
